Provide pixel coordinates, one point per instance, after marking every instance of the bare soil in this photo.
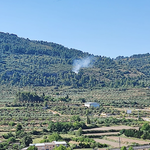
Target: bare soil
(73, 142)
(107, 133)
(112, 128)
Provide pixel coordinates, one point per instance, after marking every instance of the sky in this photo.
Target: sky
(108, 28)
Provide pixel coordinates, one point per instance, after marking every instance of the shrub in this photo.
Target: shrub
(12, 123)
(8, 135)
(11, 139)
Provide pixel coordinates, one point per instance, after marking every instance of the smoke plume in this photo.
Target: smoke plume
(82, 63)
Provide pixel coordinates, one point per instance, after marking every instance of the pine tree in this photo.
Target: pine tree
(88, 120)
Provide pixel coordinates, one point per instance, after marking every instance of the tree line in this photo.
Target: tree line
(33, 97)
(143, 132)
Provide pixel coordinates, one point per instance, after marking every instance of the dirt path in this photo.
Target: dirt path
(112, 128)
(55, 112)
(106, 133)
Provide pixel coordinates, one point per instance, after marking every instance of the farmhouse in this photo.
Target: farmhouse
(91, 104)
(47, 146)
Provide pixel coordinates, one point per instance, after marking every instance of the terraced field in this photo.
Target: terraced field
(112, 128)
(113, 141)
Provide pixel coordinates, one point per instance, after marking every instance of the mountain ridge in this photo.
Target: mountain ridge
(39, 63)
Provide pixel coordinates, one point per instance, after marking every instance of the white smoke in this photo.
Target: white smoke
(82, 63)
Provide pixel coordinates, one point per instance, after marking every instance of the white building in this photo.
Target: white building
(91, 104)
(47, 146)
(60, 143)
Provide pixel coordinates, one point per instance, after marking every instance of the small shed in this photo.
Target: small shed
(91, 104)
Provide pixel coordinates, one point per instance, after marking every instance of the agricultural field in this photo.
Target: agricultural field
(107, 96)
(112, 144)
(128, 141)
(63, 111)
(113, 141)
(42, 96)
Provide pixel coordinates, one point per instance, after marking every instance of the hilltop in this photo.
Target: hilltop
(25, 62)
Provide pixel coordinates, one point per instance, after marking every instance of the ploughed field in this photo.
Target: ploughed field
(113, 141)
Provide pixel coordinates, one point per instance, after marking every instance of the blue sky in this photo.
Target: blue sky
(108, 28)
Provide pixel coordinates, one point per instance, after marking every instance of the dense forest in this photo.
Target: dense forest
(25, 62)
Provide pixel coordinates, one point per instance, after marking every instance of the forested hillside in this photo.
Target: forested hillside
(38, 63)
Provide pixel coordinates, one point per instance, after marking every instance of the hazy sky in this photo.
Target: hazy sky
(101, 27)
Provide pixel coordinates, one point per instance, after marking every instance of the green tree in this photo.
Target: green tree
(11, 139)
(12, 123)
(15, 146)
(88, 120)
(79, 132)
(61, 147)
(75, 118)
(123, 148)
(130, 148)
(45, 104)
(145, 127)
(19, 127)
(54, 137)
(87, 112)
(26, 140)
(32, 148)
(8, 135)
(145, 135)
(82, 100)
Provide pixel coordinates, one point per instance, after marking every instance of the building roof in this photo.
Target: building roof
(42, 144)
(38, 144)
(52, 143)
(25, 148)
(49, 143)
(61, 142)
(88, 103)
(46, 144)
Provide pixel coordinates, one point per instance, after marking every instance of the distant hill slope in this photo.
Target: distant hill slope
(26, 62)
